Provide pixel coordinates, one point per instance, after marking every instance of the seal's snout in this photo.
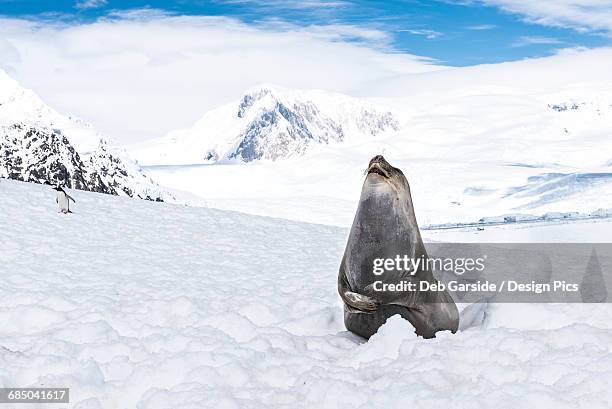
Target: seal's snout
(379, 159)
(379, 166)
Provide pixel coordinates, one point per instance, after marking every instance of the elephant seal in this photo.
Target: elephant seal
(385, 227)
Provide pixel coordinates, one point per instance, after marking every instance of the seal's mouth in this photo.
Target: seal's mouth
(376, 168)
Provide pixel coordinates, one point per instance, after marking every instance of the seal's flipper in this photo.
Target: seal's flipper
(361, 303)
(353, 301)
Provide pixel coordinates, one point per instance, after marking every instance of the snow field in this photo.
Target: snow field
(145, 305)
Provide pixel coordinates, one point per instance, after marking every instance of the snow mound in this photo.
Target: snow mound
(153, 305)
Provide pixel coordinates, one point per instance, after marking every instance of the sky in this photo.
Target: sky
(456, 33)
(137, 69)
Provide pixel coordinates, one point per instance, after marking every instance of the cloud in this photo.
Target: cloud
(296, 4)
(581, 15)
(139, 74)
(480, 27)
(429, 34)
(535, 40)
(90, 4)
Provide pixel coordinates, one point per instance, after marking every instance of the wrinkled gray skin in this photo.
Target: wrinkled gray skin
(385, 226)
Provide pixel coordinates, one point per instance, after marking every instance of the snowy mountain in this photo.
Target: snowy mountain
(38, 144)
(477, 147)
(270, 123)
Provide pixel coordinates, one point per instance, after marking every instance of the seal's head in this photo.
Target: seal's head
(380, 172)
(385, 216)
(386, 190)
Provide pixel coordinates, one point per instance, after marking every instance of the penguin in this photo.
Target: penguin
(63, 199)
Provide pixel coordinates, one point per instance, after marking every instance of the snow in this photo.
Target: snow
(529, 137)
(269, 122)
(18, 104)
(155, 305)
(561, 231)
(40, 144)
(468, 154)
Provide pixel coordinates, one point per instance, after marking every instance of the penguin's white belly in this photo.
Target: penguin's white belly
(62, 202)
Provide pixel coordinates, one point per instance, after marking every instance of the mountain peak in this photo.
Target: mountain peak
(269, 123)
(38, 144)
(250, 98)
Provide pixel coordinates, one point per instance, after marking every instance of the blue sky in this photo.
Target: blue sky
(454, 33)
